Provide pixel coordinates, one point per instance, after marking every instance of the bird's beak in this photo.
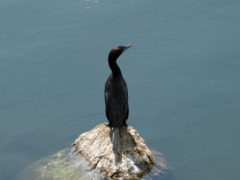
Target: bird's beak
(129, 46)
(126, 47)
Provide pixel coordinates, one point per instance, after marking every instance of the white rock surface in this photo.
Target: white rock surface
(135, 160)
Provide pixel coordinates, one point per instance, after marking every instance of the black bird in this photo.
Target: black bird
(116, 97)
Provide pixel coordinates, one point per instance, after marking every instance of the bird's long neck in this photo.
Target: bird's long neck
(114, 67)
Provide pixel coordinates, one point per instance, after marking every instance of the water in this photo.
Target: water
(182, 73)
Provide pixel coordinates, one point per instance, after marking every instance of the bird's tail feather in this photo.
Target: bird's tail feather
(116, 140)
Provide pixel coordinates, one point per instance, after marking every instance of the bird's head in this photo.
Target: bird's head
(117, 51)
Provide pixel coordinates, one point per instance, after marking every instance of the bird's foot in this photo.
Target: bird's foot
(107, 124)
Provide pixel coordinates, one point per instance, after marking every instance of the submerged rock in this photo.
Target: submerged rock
(134, 161)
(64, 165)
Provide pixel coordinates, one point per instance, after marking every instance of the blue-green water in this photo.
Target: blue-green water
(182, 74)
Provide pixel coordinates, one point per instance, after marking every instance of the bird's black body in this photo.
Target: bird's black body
(116, 97)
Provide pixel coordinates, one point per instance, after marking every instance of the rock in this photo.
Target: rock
(68, 165)
(134, 161)
(95, 148)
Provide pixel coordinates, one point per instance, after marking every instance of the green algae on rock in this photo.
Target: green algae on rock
(64, 165)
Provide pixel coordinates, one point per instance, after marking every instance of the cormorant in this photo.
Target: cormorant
(116, 97)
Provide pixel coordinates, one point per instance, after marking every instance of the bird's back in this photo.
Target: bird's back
(116, 100)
